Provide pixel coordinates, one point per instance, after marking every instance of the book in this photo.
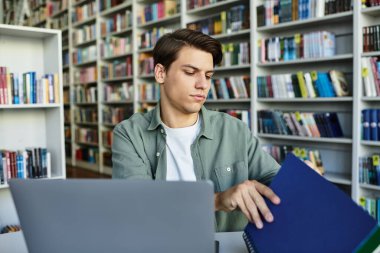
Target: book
(313, 216)
(339, 82)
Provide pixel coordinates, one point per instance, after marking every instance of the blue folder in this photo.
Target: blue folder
(314, 215)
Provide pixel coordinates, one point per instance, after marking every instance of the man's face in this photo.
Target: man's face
(187, 82)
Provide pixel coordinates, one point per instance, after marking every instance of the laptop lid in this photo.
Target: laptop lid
(115, 215)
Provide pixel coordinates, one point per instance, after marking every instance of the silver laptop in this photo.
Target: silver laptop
(115, 215)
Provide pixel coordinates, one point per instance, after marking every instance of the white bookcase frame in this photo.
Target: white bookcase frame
(24, 49)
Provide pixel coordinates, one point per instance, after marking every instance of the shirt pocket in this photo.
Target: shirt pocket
(226, 176)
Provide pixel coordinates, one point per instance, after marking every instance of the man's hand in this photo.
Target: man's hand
(315, 168)
(248, 197)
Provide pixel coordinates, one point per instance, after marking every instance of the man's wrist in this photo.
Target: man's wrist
(216, 201)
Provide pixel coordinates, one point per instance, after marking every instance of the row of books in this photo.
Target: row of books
(107, 4)
(370, 123)
(149, 91)
(114, 46)
(34, 162)
(369, 169)
(118, 92)
(279, 152)
(370, 3)
(371, 76)
(27, 89)
(86, 115)
(66, 78)
(193, 4)
(149, 38)
(36, 4)
(84, 94)
(158, 10)
(83, 12)
(67, 116)
(233, 20)
(336, 6)
(86, 75)
(146, 64)
(67, 130)
(65, 39)
(57, 6)
(117, 68)
(233, 87)
(243, 115)
(307, 124)
(300, 46)
(65, 58)
(114, 115)
(235, 54)
(66, 96)
(90, 155)
(107, 137)
(306, 85)
(37, 16)
(146, 106)
(86, 135)
(107, 158)
(68, 151)
(372, 206)
(280, 11)
(85, 54)
(85, 33)
(60, 22)
(371, 38)
(116, 23)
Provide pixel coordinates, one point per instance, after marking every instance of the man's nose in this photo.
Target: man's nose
(201, 82)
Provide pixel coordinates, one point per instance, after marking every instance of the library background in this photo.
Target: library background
(304, 75)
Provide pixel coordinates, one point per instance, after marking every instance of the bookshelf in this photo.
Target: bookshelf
(107, 95)
(364, 193)
(340, 155)
(24, 49)
(334, 151)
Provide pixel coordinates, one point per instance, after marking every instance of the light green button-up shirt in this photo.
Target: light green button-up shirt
(224, 152)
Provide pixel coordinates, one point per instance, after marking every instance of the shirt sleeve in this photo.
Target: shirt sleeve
(262, 166)
(126, 160)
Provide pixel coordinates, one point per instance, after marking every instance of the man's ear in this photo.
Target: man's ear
(159, 73)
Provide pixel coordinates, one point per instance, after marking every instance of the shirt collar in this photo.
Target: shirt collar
(206, 129)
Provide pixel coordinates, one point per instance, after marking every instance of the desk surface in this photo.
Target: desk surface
(229, 242)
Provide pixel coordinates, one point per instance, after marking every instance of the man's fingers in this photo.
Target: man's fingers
(252, 209)
(243, 208)
(267, 192)
(261, 205)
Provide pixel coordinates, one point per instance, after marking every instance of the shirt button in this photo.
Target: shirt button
(228, 169)
(162, 131)
(158, 154)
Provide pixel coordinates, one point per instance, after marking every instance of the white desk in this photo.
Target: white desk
(229, 242)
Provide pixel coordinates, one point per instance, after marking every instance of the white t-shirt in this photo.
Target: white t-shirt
(178, 154)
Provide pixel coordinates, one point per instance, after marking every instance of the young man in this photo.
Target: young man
(181, 140)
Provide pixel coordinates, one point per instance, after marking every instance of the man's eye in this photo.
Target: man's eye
(208, 77)
(189, 73)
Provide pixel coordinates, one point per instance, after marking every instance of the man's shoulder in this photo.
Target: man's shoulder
(137, 120)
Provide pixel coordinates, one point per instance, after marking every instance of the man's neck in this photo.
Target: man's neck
(175, 119)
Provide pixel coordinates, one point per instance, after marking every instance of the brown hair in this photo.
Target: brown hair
(167, 47)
